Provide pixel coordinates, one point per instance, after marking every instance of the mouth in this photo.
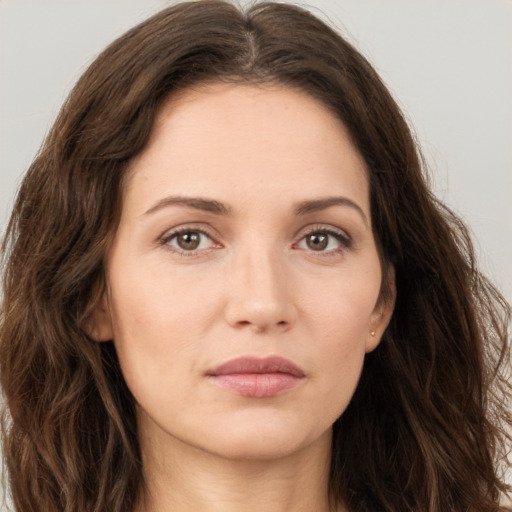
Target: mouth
(257, 377)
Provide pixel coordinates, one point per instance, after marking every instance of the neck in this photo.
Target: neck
(182, 478)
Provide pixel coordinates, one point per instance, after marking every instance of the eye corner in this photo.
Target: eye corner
(343, 240)
(194, 246)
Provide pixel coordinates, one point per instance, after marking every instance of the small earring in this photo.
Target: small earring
(372, 333)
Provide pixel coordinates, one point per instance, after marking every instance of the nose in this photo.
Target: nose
(260, 293)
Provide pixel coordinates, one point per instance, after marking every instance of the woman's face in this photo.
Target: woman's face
(243, 280)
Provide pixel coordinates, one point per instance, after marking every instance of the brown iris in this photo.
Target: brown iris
(317, 241)
(189, 240)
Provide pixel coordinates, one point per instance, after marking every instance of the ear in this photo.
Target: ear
(98, 324)
(383, 311)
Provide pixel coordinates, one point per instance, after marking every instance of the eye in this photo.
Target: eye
(188, 240)
(324, 240)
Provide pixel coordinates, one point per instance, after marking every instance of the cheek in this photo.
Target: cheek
(339, 318)
(343, 305)
(151, 332)
(339, 362)
(152, 304)
(161, 323)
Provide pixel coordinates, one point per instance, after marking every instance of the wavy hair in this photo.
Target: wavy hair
(426, 430)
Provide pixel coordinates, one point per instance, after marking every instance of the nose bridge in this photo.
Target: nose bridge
(261, 270)
(259, 287)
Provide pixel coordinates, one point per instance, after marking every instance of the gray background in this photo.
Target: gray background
(448, 62)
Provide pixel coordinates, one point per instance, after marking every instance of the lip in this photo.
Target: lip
(257, 377)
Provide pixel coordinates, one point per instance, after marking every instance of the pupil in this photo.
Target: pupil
(189, 241)
(317, 241)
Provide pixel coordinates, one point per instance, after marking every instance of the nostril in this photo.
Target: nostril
(260, 313)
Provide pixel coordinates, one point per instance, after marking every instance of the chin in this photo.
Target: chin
(260, 441)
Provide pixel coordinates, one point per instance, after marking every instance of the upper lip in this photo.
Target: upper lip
(244, 365)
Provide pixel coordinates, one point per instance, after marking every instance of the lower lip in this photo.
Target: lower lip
(257, 385)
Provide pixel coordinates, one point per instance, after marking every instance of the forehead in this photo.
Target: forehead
(216, 138)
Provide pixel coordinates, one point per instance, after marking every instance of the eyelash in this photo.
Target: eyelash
(343, 238)
(164, 241)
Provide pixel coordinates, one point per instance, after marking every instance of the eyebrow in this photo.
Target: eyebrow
(197, 203)
(218, 208)
(317, 205)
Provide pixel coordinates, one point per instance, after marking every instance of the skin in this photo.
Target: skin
(255, 286)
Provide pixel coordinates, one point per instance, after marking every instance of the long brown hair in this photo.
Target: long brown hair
(427, 428)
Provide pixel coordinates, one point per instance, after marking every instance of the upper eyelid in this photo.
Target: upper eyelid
(324, 227)
(164, 241)
(169, 233)
(209, 231)
(214, 235)
(345, 241)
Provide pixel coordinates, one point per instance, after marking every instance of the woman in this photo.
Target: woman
(228, 287)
